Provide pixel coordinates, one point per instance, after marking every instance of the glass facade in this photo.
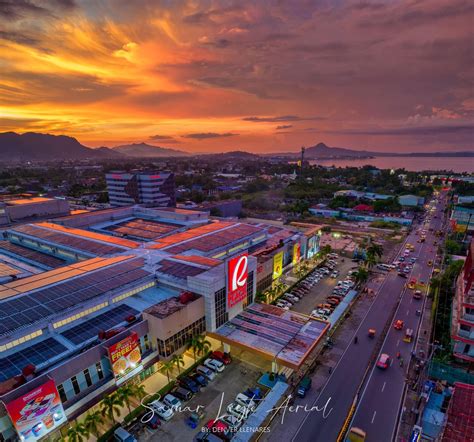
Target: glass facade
(179, 340)
(221, 307)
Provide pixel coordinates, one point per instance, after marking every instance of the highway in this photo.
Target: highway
(380, 402)
(340, 389)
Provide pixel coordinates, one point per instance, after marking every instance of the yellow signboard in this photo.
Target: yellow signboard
(296, 253)
(277, 265)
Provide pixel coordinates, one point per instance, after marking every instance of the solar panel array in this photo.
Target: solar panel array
(105, 321)
(34, 354)
(179, 269)
(217, 239)
(143, 229)
(63, 239)
(32, 255)
(27, 309)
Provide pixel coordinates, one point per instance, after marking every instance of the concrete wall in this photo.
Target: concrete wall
(53, 207)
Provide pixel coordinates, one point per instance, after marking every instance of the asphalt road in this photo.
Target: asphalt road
(381, 398)
(338, 393)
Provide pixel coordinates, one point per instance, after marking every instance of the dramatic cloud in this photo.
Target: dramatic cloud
(204, 136)
(166, 138)
(374, 75)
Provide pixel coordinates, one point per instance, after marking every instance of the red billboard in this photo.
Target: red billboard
(37, 413)
(126, 358)
(237, 275)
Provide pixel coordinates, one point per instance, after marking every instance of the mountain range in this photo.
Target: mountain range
(32, 146)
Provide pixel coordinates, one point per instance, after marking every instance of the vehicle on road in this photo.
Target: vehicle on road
(412, 283)
(356, 435)
(303, 386)
(403, 275)
(398, 324)
(408, 335)
(384, 361)
(371, 332)
(429, 263)
(417, 294)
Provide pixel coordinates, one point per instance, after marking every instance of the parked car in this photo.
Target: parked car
(183, 393)
(188, 383)
(233, 422)
(225, 358)
(199, 379)
(162, 410)
(283, 306)
(122, 435)
(242, 399)
(214, 364)
(172, 401)
(152, 421)
(254, 393)
(239, 411)
(206, 372)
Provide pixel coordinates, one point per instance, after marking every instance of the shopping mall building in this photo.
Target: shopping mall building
(91, 300)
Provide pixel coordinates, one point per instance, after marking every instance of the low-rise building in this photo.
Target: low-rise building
(462, 218)
(411, 200)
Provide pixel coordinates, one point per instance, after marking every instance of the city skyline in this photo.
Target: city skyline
(220, 76)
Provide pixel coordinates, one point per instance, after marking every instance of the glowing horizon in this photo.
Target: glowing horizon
(214, 76)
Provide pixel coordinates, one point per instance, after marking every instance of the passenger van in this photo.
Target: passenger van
(122, 435)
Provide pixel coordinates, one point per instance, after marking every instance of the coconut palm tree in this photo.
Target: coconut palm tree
(370, 260)
(77, 433)
(139, 391)
(178, 360)
(375, 250)
(361, 276)
(167, 368)
(125, 394)
(199, 345)
(111, 406)
(92, 422)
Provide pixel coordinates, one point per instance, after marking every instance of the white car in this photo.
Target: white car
(239, 411)
(291, 298)
(162, 410)
(246, 401)
(214, 364)
(283, 306)
(233, 422)
(287, 303)
(171, 401)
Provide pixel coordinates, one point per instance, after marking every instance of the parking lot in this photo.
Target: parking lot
(319, 291)
(236, 378)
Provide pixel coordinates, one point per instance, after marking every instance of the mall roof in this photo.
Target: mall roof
(33, 256)
(285, 336)
(26, 301)
(143, 229)
(23, 201)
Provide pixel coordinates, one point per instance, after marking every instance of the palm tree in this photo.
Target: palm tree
(139, 391)
(375, 250)
(178, 360)
(166, 368)
(361, 276)
(370, 260)
(199, 345)
(93, 421)
(77, 433)
(111, 406)
(125, 393)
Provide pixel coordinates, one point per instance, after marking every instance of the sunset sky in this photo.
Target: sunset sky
(206, 76)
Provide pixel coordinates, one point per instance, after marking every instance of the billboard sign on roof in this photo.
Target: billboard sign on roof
(237, 276)
(37, 413)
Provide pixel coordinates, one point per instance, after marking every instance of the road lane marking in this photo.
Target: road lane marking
(383, 386)
(398, 342)
(373, 417)
(408, 312)
(391, 362)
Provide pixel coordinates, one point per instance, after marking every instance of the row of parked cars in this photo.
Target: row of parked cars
(324, 310)
(300, 290)
(189, 385)
(225, 427)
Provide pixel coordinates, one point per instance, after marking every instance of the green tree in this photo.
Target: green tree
(325, 250)
(452, 247)
(375, 249)
(125, 394)
(139, 391)
(167, 368)
(199, 345)
(178, 360)
(111, 406)
(361, 276)
(77, 433)
(92, 422)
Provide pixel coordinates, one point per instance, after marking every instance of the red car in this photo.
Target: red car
(218, 428)
(398, 324)
(384, 361)
(223, 357)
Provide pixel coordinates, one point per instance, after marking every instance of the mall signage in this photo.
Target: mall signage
(296, 253)
(37, 413)
(237, 276)
(278, 265)
(126, 358)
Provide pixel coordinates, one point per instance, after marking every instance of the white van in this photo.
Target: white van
(122, 435)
